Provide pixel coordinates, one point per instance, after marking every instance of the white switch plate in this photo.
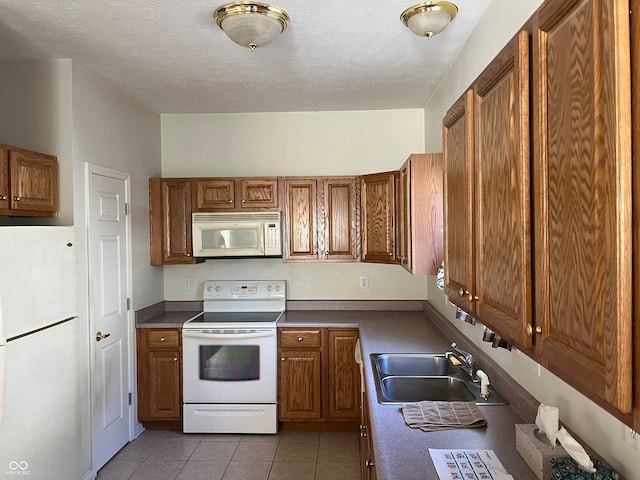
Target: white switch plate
(191, 283)
(364, 281)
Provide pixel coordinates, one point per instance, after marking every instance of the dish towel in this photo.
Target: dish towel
(433, 416)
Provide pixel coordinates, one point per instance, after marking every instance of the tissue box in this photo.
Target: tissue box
(537, 453)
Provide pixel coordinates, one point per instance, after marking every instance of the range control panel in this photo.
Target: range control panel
(244, 290)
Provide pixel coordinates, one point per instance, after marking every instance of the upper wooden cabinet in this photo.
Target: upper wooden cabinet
(635, 112)
(219, 194)
(419, 213)
(170, 202)
(28, 183)
(321, 219)
(583, 177)
(487, 214)
(378, 217)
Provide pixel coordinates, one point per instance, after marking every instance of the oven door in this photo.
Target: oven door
(230, 365)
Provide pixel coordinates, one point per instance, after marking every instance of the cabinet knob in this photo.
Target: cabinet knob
(230, 201)
(282, 359)
(300, 339)
(244, 201)
(163, 339)
(3, 197)
(17, 199)
(188, 254)
(530, 330)
(175, 359)
(461, 292)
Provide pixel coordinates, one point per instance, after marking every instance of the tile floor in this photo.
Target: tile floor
(167, 455)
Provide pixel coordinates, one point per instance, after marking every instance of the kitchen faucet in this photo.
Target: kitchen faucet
(467, 361)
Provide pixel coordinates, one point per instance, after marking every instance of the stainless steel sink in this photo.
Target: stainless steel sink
(414, 364)
(416, 389)
(413, 377)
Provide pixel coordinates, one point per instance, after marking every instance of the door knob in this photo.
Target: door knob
(100, 336)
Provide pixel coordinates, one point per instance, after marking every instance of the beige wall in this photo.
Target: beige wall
(36, 114)
(295, 143)
(595, 426)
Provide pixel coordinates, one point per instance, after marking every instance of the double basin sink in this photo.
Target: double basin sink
(413, 377)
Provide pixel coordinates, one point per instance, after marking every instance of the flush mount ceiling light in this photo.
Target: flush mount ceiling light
(429, 18)
(251, 24)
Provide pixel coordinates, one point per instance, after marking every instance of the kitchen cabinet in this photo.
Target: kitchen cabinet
(419, 213)
(321, 219)
(300, 374)
(378, 217)
(159, 377)
(635, 106)
(318, 378)
(28, 183)
(583, 178)
(170, 221)
(488, 252)
(368, 469)
(228, 194)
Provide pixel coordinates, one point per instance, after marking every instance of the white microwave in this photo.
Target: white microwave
(236, 234)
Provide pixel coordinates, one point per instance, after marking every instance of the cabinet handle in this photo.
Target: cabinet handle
(244, 201)
(175, 359)
(230, 201)
(162, 339)
(530, 330)
(17, 199)
(461, 292)
(300, 339)
(282, 359)
(3, 197)
(188, 254)
(369, 464)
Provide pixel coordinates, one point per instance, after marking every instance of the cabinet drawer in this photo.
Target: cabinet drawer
(164, 338)
(301, 338)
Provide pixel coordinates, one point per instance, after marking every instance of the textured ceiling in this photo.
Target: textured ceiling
(170, 54)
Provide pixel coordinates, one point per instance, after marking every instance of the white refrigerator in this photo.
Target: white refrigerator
(39, 354)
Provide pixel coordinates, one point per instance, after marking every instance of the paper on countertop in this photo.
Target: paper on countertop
(468, 465)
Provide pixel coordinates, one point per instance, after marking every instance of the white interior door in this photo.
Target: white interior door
(108, 292)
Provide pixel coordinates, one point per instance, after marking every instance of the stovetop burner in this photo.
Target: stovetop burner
(210, 318)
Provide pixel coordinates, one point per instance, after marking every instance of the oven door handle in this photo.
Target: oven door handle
(196, 334)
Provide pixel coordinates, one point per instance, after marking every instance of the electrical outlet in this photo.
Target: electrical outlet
(364, 281)
(632, 438)
(191, 283)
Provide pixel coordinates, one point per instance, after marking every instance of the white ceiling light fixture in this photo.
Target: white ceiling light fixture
(429, 18)
(251, 24)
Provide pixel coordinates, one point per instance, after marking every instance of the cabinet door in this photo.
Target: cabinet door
(378, 217)
(164, 385)
(344, 375)
(34, 181)
(258, 192)
(635, 104)
(214, 195)
(582, 160)
(299, 385)
(301, 230)
(338, 219)
(502, 207)
(459, 266)
(4, 178)
(419, 207)
(176, 205)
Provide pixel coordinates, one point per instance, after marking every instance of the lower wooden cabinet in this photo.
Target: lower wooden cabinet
(318, 378)
(160, 378)
(368, 469)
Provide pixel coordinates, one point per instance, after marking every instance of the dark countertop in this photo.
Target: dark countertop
(400, 452)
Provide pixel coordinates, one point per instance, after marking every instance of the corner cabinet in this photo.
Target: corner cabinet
(378, 217)
(28, 183)
(170, 221)
(582, 160)
(419, 214)
(159, 377)
(318, 378)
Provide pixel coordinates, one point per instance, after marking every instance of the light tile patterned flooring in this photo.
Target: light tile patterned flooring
(288, 455)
